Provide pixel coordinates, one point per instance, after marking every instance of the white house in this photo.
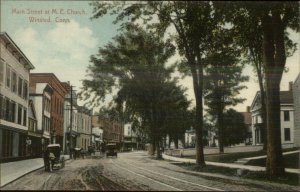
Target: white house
(190, 138)
(84, 127)
(40, 94)
(14, 99)
(286, 118)
(130, 137)
(70, 128)
(97, 137)
(296, 94)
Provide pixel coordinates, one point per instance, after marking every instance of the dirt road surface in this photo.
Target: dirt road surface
(134, 171)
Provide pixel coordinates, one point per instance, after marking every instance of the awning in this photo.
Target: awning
(74, 133)
(97, 139)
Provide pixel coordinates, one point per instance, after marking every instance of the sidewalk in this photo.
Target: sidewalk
(229, 165)
(14, 170)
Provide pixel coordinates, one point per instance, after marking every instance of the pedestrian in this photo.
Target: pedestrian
(46, 159)
(51, 160)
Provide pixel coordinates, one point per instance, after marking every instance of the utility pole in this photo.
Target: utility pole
(71, 120)
(91, 127)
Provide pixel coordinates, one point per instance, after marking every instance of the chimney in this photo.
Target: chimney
(291, 86)
(248, 109)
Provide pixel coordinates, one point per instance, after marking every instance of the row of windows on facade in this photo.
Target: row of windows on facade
(85, 142)
(47, 104)
(287, 135)
(13, 81)
(12, 111)
(80, 123)
(57, 123)
(286, 116)
(59, 108)
(115, 136)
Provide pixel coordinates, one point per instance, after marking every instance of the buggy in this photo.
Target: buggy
(111, 150)
(55, 158)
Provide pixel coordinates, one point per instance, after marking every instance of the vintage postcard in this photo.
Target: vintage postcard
(149, 95)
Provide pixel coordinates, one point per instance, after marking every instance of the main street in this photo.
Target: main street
(133, 171)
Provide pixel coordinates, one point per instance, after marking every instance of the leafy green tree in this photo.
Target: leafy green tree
(234, 127)
(249, 35)
(135, 63)
(274, 19)
(177, 119)
(193, 22)
(223, 78)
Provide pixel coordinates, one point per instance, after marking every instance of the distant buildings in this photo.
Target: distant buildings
(40, 109)
(190, 138)
(14, 100)
(130, 138)
(70, 118)
(113, 130)
(84, 128)
(248, 123)
(97, 137)
(57, 104)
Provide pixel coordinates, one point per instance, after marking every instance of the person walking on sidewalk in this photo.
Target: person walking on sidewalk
(46, 160)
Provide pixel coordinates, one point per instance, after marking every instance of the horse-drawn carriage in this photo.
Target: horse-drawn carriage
(53, 157)
(111, 149)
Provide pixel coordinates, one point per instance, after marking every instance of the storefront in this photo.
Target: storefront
(12, 144)
(34, 145)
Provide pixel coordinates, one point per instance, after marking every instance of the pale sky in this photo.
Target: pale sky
(64, 48)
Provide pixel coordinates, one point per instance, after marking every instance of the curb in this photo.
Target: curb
(229, 165)
(20, 176)
(1, 186)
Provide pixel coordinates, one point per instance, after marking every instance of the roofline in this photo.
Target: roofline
(256, 95)
(49, 74)
(297, 78)
(4, 34)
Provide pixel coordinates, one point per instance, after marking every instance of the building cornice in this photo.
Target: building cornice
(15, 49)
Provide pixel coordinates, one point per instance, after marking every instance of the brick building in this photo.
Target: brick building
(57, 103)
(113, 131)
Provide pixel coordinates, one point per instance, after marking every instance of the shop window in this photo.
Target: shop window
(287, 134)
(7, 111)
(15, 152)
(8, 76)
(13, 111)
(19, 114)
(286, 115)
(1, 71)
(7, 143)
(25, 90)
(1, 142)
(20, 85)
(14, 82)
(1, 106)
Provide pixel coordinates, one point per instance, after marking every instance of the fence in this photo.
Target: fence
(215, 150)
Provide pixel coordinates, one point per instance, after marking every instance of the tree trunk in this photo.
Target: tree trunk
(198, 90)
(274, 61)
(220, 130)
(176, 142)
(264, 120)
(152, 150)
(274, 164)
(263, 105)
(157, 146)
